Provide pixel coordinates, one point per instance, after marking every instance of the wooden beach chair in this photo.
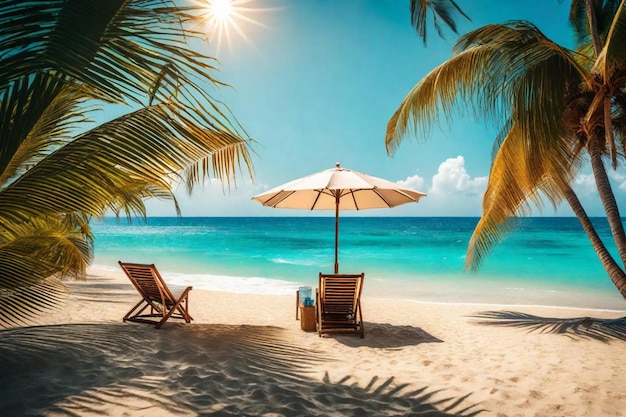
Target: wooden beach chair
(162, 301)
(338, 299)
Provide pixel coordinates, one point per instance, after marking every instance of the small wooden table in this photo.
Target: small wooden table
(307, 318)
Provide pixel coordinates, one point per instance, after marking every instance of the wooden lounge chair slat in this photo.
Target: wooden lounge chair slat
(162, 301)
(339, 303)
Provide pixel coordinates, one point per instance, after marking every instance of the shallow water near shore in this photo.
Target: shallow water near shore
(543, 261)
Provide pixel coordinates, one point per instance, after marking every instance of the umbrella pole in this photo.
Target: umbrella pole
(336, 232)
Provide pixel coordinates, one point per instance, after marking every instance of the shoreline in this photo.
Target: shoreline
(477, 292)
(500, 305)
(246, 355)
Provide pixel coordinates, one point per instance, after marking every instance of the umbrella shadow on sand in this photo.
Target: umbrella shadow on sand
(603, 330)
(212, 370)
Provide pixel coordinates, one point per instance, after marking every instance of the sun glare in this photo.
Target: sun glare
(224, 17)
(221, 10)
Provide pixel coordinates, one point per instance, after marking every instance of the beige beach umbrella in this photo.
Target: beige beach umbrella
(338, 189)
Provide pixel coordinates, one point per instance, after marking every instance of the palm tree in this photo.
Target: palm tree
(552, 104)
(61, 61)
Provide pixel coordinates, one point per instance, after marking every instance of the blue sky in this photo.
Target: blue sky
(316, 82)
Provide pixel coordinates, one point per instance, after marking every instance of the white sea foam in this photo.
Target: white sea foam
(225, 283)
(282, 261)
(291, 262)
(233, 284)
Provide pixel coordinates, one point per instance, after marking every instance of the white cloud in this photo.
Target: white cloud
(453, 192)
(452, 179)
(619, 177)
(414, 182)
(584, 185)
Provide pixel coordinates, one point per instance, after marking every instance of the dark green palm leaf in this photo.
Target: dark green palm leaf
(38, 115)
(443, 10)
(32, 254)
(21, 305)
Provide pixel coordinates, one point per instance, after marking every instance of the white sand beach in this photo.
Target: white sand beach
(247, 356)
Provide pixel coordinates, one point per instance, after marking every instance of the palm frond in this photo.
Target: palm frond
(22, 304)
(508, 72)
(441, 10)
(61, 59)
(44, 246)
(498, 70)
(38, 114)
(604, 11)
(578, 20)
(613, 54)
(33, 255)
(129, 199)
(515, 181)
(437, 93)
(129, 51)
(144, 147)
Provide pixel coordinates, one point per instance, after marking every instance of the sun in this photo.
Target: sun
(221, 11)
(224, 17)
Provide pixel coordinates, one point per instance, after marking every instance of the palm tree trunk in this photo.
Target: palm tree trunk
(593, 27)
(608, 198)
(602, 180)
(617, 275)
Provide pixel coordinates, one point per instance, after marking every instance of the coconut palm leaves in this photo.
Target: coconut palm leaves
(510, 71)
(443, 10)
(61, 62)
(550, 103)
(587, 14)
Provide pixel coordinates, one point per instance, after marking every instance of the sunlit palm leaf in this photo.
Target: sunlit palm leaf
(60, 59)
(486, 75)
(514, 182)
(513, 73)
(145, 147)
(552, 104)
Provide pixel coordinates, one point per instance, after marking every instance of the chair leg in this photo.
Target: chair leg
(178, 306)
(126, 317)
(361, 320)
(318, 311)
(184, 310)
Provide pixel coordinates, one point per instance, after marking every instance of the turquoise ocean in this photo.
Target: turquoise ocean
(543, 261)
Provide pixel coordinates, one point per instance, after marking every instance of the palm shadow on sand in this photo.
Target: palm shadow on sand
(209, 370)
(604, 330)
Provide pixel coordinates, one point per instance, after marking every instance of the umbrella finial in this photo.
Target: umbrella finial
(338, 165)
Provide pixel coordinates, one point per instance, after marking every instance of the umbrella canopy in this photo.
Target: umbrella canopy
(338, 189)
